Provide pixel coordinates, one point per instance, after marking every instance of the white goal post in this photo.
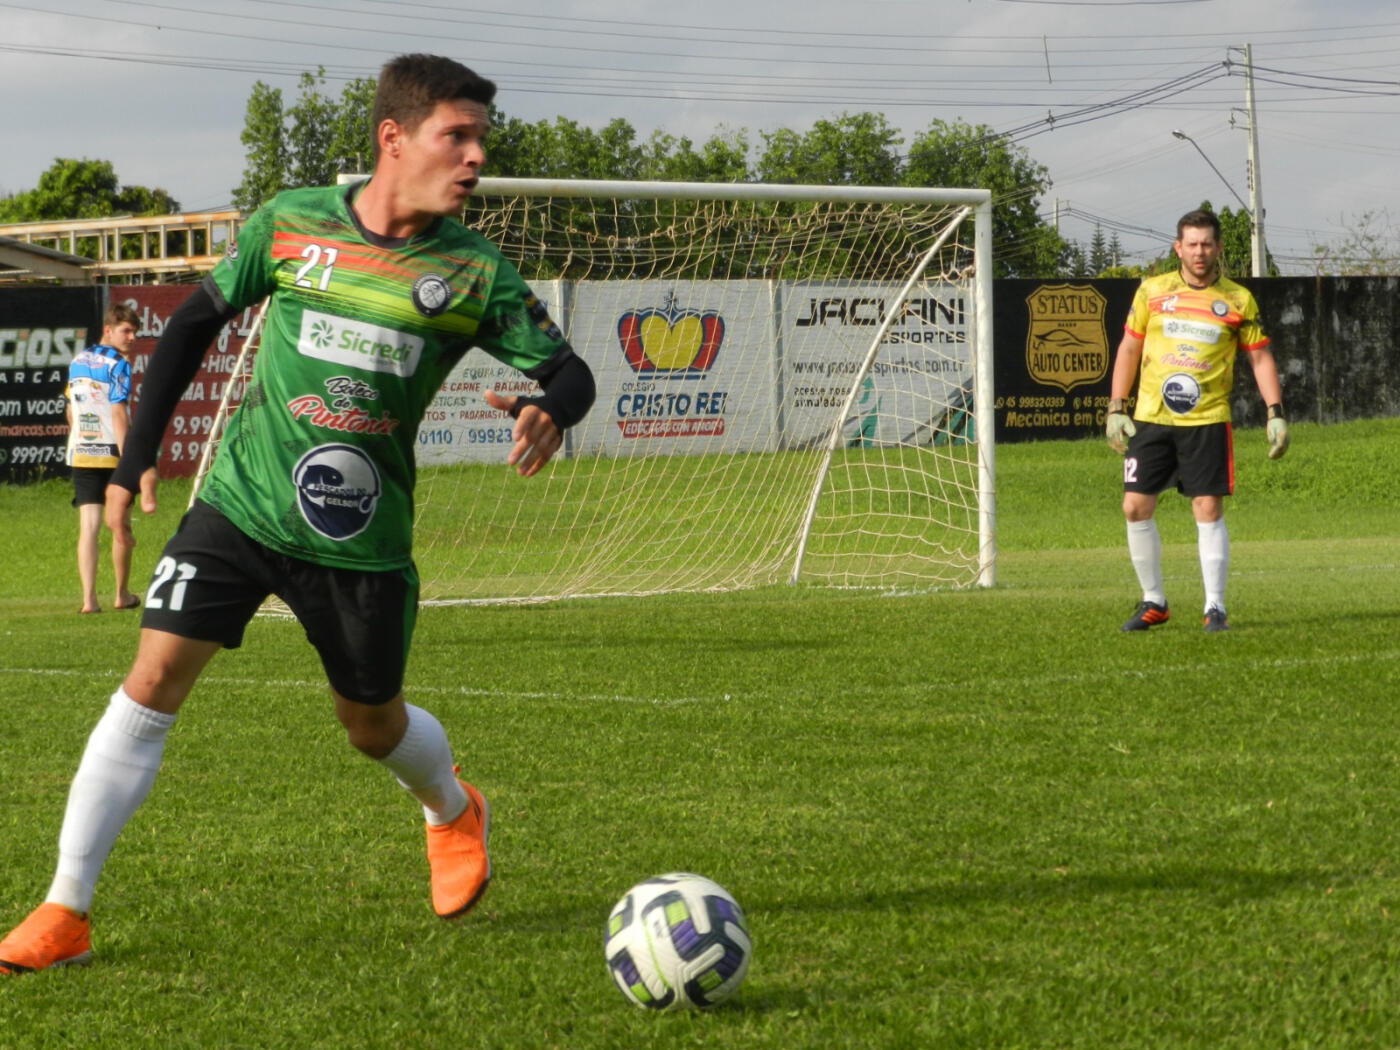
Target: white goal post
(794, 386)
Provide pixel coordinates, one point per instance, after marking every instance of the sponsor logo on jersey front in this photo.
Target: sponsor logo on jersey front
(338, 490)
(1195, 331)
(1180, 392)
(357, 345)
(340, 412)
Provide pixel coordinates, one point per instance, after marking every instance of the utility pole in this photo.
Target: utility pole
(1256, 208)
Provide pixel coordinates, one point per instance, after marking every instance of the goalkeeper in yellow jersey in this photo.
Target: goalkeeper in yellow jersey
(1179, 345)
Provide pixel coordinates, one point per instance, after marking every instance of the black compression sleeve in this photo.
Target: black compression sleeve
(174, 362)
(569, 389)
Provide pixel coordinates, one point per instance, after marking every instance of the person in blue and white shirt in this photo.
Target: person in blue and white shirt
(98, 395)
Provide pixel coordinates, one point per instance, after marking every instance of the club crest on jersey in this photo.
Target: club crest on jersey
(338, 490)
(1219, 308)
(431, 294)
(1180, 392)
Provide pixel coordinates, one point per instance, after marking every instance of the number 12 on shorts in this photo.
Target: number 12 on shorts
(169, 569)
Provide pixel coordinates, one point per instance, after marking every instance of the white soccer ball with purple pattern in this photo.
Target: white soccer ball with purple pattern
(677, 941)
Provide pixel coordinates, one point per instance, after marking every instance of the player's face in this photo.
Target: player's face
(120, 337)
(442, 157)
(1198, 251)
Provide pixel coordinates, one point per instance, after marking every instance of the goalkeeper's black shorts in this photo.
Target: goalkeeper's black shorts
(1200, 460)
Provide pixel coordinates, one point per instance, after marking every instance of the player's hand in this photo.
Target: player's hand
(535, 436)
(1277, 430)
(1120, 428)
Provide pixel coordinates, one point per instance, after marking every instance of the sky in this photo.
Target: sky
(1090, 89)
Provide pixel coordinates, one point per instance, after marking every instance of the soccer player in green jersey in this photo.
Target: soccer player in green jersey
(1179, 345)
(375, 293)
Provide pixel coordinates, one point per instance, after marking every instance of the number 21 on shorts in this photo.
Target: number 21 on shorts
(178, 575)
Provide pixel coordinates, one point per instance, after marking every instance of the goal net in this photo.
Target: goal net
(794, 386)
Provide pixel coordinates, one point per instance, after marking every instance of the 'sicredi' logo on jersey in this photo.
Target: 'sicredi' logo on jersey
(357, 345)
(1066, 345)
(670, 343)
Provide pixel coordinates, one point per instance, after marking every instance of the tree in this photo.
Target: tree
(83, 189)
(1369, 247)
(961, 155)
(311, 127)
(352, 135)
(722, 158)
(309, 144)
(857, 149)
(265, 140)
(1099, 259)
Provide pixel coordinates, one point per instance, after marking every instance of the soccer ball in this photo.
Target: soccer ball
(676, 941)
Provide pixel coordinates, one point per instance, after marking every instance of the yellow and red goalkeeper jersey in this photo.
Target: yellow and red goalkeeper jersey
(1190, 339)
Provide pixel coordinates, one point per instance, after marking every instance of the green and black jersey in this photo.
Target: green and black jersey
(318, 460)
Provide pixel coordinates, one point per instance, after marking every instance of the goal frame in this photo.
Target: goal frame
(976, 202)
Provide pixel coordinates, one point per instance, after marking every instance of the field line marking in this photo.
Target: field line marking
(413, 690)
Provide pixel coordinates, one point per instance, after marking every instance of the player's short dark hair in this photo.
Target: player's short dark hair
(120, 313)
(411, 86)
(1199, 219)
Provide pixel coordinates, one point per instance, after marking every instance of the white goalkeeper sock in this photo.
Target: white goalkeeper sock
(422, 762)
(1145, 549)
(1213, 543)
(116, 772)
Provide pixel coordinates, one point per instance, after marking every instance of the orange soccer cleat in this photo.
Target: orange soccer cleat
(457, 861)
(52, 935)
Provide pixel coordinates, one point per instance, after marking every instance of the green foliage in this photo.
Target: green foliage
(264, 139)
(316, 140)
(309, 144)
(970, 819)
(1369, 247)
(83, 189)
(959, 154)
(855, 149)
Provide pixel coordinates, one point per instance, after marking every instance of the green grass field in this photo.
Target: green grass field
(961, 819)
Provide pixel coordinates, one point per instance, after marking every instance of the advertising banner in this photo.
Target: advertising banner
(1054, 355)
(683, 367)
(923, 368)
(40, 331)
(193, 420)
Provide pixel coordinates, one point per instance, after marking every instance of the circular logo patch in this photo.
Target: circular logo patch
(337, 490)
(1219, 308)
(431, 294)
(1181, 392)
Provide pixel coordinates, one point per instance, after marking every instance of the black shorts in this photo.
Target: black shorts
(90, 485)
(211, 579)
(1201, 459)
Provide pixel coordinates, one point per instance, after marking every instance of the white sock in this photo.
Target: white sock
(116, 772)
(1213, 543)
(422, 762)
(1145, 549)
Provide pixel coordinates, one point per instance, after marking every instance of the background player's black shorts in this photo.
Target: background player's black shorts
(90, 484)
(1201, 460)
(211, 579)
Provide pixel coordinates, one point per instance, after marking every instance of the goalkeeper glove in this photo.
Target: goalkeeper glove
(1277, 429)
(1120, 425)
